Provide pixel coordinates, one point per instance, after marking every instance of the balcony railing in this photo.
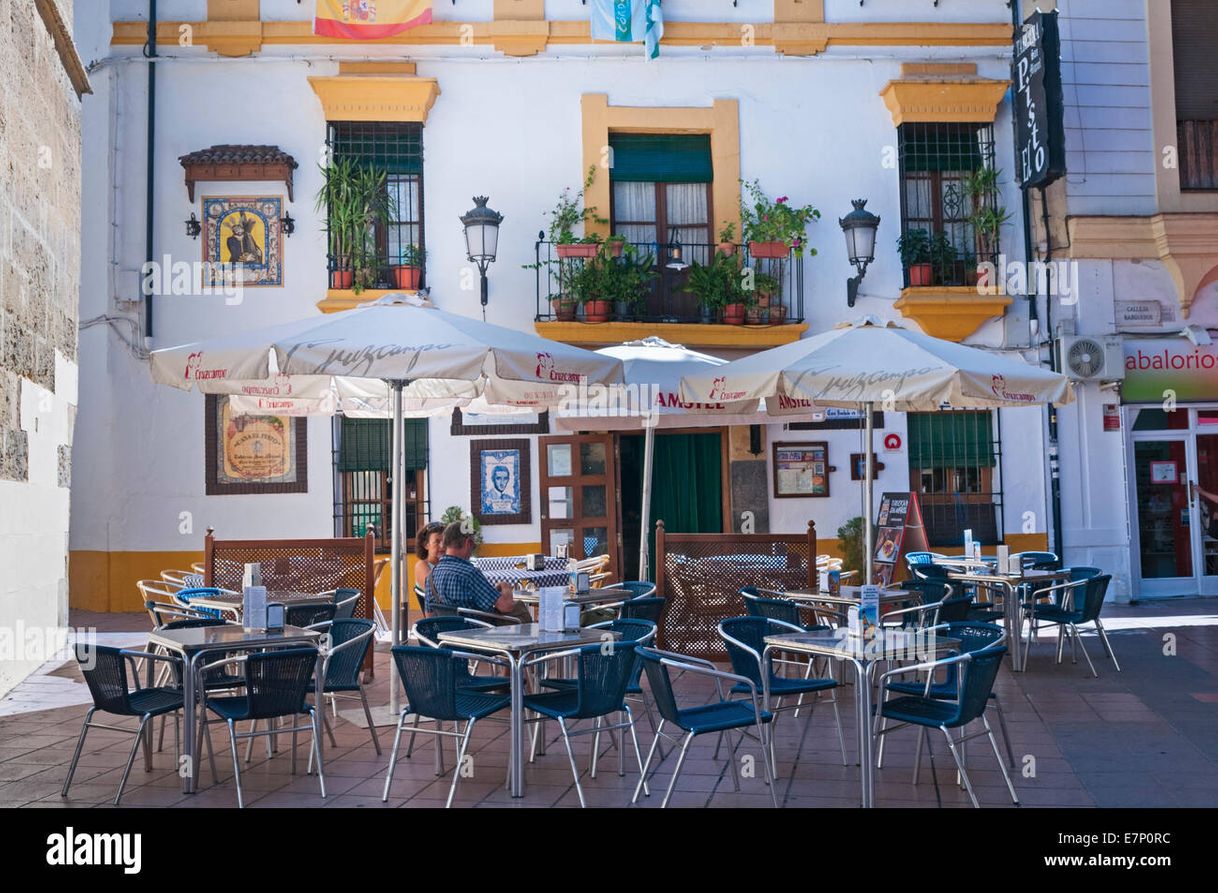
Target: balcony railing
(380, 272)
(1198, 141)
(667, 300)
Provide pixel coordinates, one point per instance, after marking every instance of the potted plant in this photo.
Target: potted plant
(629, 280)
(987, 217)
(354, 199)
(407, 271)
(717, 287)
(943, 259)
(774, 228)
(914, 248)
(727, 240)
(765, 287)
(569, 213)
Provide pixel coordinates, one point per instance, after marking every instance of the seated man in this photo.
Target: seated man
(456, 583)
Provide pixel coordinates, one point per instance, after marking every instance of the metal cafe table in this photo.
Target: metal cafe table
(194, 644)
(1009, 585)
(607, 595)
(517, 642)
(231, 603)
(838, 644)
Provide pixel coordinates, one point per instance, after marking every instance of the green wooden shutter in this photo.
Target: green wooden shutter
(950, 440)
(661, 158)
(366, 445)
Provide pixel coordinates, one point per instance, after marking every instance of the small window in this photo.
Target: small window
(948, 184)
(363, 483)
(1194, 32)
(397, 241)
(953, 465)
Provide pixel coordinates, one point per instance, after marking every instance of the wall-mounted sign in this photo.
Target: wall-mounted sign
(801, 469)
(1159, 369)
(253, 453)
(1163, 472)
(1040, 134)
(892, 442)
(1130, 314)
(244, 234)
(1112, 417)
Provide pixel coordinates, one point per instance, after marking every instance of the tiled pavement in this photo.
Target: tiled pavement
(1147, 736)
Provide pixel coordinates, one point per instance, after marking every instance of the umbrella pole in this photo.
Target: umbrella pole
(649, 449)
(395, 564)
(868, 479)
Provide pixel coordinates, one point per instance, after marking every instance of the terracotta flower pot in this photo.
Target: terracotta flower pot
(616, 248)
(733, 314)
(577, 249)
(564, 311)
(754, 316)
(342, 279)
(778, 315)
(726, 248)
(921, 275)
(769, 249)
(597, 311)
(406, 278)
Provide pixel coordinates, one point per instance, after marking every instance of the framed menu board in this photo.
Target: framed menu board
(801, 469)
(898, 530)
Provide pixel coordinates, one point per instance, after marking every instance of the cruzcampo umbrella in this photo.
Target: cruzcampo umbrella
(868, 362)
(400, 348)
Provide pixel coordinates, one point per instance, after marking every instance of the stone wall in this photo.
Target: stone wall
(40, 151)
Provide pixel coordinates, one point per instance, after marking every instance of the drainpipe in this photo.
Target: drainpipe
(149, 198)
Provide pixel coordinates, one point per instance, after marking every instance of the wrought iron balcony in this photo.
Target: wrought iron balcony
(667, 298)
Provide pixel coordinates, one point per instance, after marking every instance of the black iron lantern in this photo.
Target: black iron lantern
(288, 224)
(193, 226)
(859, 226)
(676, 259)
(481, 238)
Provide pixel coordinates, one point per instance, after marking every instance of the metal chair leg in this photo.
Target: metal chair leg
(1107, 645)
(1005, 775)
(139, 736)
(249, 743)
(326, 723)
(1078, 639)
(205, 732)
(596, 748)
(638, 756)
(681, 761)
(968, 786)
(232, 740)
(376, 741)
(771, 771)
(80, 743)
(1006, 736)
(452, 791)
(413, 726)
(562, 725)
(393, 755)
(647, 763)
(316, 714)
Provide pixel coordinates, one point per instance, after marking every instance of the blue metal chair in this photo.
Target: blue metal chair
(1075, 603)
(638, 588)
(648, 607)
(745, 641)
(345, 602)
(604, 671)
(1083, 572)
(343, 663)
(430, 677)
(277, 684)
(975, 681)
(782, 609)
(973, 637)
(309, 615)
(1041, 561)
(428, 632)
(185, 596)
(912, 558)
(105, 672)
(718, 716)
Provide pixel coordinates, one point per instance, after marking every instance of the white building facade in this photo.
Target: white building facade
(826, 102)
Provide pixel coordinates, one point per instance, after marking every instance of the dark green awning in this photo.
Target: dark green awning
(661, 158)
(366, 445)
(950, 440)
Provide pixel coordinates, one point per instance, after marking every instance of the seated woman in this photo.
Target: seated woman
(427, 550)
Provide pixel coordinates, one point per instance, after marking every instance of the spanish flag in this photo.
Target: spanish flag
(369, 19)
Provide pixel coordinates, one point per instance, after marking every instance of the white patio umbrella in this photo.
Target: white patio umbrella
(649, 398)
(423, 358)
(868, 362)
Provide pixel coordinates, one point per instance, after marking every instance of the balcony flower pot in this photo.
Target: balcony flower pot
(615, 247)
(563, 310)
(727, 249)
(706, 315)
(597, 311)
(733, 314)
(778, 315)
(343, 279)
(769, 249)
(921, 275)
(577, 249)
(406, 277)
(755, 315)
(623, 310)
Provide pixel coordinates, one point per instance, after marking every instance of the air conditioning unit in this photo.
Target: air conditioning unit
(1091, 357)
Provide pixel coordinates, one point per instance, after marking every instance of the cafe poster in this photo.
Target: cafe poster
(801, 469)
(899, 530)
(248, 454)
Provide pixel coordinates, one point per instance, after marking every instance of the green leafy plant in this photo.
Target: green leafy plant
(850, 543)
(355, 200)
(455, 513)
(765, 284)
(987, 217)
(777, 220)
(716, 284)
(411, 256)
(630, 276)
(914, 247)
(728, 233)
(570, 212)
(943, 256)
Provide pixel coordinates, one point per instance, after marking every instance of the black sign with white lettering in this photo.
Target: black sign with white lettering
(1040, 136)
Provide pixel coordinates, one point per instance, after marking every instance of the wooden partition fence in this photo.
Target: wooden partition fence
(297, 565)
(700, 576)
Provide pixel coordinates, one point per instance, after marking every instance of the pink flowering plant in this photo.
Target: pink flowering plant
(777, 220)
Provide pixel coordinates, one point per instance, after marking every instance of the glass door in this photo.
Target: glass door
(1205, 493)
(1164, 509)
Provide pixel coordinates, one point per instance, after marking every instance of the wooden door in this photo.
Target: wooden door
(580, 495)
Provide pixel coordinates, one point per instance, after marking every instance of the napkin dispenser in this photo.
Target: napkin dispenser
(578, 582)
(275, 616)
(570, 617)
(535, 562)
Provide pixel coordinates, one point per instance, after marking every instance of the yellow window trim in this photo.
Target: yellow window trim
(689, 334)
(944, 99)
(375, 97)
